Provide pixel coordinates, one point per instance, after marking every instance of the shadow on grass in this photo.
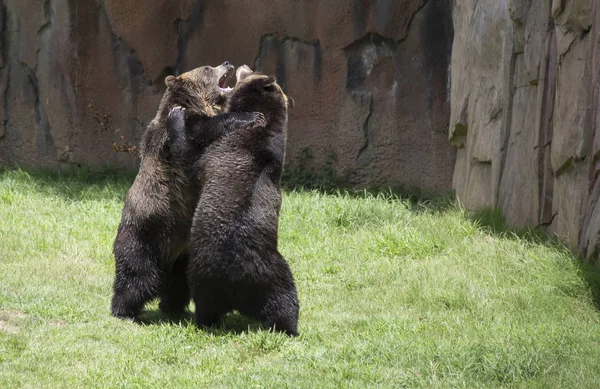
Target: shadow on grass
(233, 323)
(75, 184)
(154, 317)
(419, 201)
(591, 274)
(492, 221)
(85, 184)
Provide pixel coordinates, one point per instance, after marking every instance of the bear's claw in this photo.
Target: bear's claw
(175, 110)
(259, 119)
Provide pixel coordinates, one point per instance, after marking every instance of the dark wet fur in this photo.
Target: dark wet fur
(234, 262)
(152, 239)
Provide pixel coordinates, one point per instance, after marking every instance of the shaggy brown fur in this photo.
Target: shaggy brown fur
(153, 236)
(234, 261)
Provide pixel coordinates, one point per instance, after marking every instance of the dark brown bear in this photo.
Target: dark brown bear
(153, 236)
(234, 261)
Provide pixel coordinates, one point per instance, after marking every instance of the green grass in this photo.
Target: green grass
(393, 293)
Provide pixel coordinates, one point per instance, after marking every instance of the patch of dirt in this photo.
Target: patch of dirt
(13, 315)
(8, 327)
(12, 321)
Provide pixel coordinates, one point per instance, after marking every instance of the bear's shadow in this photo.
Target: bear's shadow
(233, 322)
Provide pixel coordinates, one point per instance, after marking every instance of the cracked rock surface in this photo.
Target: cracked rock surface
(524, 113)
(369, 78)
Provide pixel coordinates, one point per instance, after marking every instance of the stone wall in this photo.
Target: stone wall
(369, 77)
(524, 113)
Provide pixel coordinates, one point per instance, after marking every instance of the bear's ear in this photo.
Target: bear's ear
(242, 72)
(291, 102)
(170, 81)
(269, 84)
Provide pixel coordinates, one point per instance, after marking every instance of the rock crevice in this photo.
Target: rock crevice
(543, 149)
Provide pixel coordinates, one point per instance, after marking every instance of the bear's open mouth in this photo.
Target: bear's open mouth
(223, 82)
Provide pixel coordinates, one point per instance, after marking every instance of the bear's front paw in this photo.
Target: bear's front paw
(258, 120)
(176, 111)
(176, 123)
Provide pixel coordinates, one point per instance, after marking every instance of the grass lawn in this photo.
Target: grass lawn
(393, 293)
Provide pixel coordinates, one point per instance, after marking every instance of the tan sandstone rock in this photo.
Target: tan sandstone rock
(370, 79)
(546, 151)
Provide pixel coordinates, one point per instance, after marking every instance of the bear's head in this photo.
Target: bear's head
(203, 90)
(255, 91)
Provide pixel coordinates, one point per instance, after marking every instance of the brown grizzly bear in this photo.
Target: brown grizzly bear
(153, 236)
(234, 263)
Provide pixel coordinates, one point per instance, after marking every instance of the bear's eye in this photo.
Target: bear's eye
(269, 88)
(207, 70)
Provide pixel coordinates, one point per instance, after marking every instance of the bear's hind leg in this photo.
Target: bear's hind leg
(280, 311)
(210, 304)
(175, 296)
(137, 281)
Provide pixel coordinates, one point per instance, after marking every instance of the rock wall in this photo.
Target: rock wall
(524, 113)
(369, 77)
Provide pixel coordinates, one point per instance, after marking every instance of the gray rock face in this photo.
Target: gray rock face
(524, 113)
(370, 78)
